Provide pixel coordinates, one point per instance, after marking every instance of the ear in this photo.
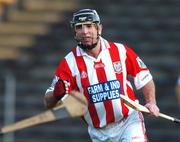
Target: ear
(100, 27)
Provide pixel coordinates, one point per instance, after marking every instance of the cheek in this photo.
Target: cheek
(95, 33)
(77, 33)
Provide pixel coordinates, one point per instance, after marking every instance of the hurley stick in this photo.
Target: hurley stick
(74, 105)
(141, 108)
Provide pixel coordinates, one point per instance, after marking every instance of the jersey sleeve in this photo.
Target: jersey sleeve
(63, 72)
(137, 69)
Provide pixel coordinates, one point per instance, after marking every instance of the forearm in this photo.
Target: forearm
(149, 92)
(150, 99)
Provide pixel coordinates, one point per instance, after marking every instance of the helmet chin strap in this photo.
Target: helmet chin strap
(87, 47)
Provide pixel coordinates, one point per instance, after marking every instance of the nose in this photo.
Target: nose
(84, 29)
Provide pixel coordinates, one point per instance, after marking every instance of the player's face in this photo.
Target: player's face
(87, 33)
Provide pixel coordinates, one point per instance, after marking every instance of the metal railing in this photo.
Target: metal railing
(9, 104)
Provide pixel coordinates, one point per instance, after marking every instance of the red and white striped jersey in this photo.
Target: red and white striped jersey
(103, 79)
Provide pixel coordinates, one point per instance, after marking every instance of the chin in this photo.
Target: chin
(87, 45)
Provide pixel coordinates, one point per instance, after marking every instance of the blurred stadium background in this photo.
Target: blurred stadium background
(35, 35)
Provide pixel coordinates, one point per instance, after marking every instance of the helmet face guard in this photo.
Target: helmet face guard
(85, 15)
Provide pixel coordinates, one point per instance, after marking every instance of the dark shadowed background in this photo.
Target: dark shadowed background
(36, 34)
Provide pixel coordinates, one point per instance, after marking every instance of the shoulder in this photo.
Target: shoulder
(71, 58)
(122, 48)
(116, 45)
(71, 54)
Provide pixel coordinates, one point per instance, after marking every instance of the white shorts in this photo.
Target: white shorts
(131, 129)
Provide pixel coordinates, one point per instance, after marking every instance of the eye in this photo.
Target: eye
(78, 27)
(89, 25)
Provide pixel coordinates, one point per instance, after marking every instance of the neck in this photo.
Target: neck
(95, 51)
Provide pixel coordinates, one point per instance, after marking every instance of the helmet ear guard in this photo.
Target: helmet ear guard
(85, 15)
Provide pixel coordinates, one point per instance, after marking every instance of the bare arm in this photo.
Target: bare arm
(150, 98)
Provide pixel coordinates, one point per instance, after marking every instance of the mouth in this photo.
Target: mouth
(86, 39)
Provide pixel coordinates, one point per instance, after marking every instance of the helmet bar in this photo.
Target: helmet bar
(85, 15)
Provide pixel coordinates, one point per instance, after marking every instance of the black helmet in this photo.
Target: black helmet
(85, 15)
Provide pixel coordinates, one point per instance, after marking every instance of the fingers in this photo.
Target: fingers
(61, 88)
(67, 85)
(153, 108)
